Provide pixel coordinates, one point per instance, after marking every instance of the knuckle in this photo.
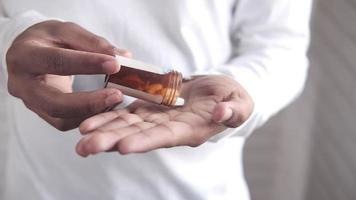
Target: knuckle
(94, 108)
(61, 125)
(108, 48)
(69, 25)
(101, 44)
(96, 103)
(64, 26)
(54, 28)
(11, 57)
(12, 89)
(56, 63)
(95, 40)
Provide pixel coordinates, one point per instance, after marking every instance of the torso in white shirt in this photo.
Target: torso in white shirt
(184, 34)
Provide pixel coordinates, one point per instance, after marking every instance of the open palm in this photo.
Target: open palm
(212, 103)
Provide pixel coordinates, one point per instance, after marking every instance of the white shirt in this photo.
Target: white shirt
(262, 44)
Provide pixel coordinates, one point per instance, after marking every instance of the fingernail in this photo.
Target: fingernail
(113, 99)
(123, 52)
(111, 66)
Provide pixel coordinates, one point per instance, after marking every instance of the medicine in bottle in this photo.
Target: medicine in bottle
(147, 82)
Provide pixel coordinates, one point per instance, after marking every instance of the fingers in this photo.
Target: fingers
(79, 38)
(52, 60)
(128, 133)
(56, 48)
(233, 113)
(100, 141)
(108, 128)
(64, 49)
(71, 105)
(72, 115)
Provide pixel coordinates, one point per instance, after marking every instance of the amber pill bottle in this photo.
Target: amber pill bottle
(147, 82)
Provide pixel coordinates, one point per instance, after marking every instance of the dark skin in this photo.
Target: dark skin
(41, 60)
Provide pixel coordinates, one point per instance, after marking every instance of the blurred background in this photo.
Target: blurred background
(307, 151)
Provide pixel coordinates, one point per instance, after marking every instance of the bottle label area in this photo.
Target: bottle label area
(136, 93)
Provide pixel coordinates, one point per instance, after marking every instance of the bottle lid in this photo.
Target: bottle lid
(179, 102)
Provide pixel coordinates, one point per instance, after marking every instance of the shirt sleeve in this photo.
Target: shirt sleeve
(10, 28)
(270, 42)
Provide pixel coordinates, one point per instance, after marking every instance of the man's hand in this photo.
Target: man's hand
(212, 103)
(40, 61)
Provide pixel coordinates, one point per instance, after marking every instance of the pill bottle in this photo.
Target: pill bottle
(147, 82)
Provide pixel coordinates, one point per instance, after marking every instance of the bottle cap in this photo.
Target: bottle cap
(179, 102)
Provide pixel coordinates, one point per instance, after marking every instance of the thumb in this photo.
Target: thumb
(82, 104)
(232, 113)
(72, 105)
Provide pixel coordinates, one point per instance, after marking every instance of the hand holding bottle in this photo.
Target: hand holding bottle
(40, 62)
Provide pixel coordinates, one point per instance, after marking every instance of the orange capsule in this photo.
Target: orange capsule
(154, 88)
